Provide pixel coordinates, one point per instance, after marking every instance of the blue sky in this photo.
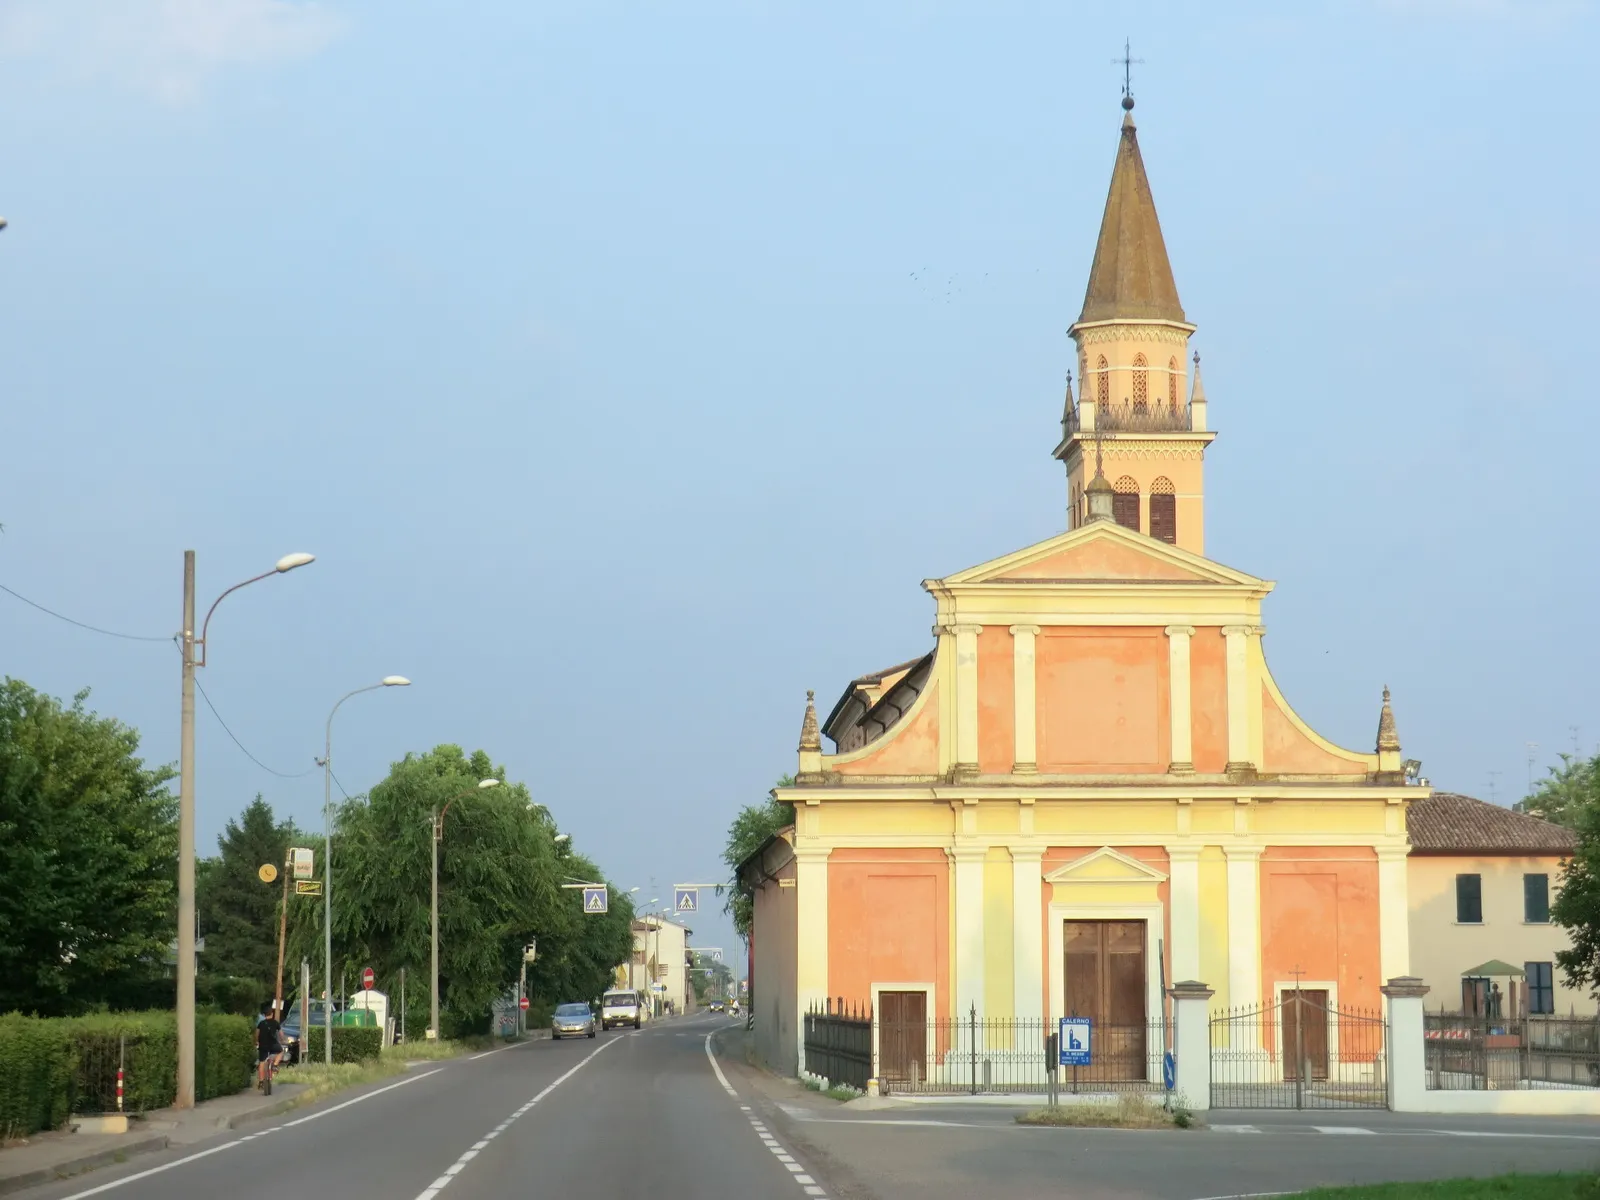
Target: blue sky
(581, 343)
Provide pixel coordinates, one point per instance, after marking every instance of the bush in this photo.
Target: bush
(225, 1055)
(351, 1044)
(35, 1074)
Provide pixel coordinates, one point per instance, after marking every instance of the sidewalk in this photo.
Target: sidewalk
(62, 1153)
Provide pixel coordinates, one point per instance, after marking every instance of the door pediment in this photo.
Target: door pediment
(1106, 866)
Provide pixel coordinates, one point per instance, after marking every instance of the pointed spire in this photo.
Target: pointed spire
(1197, 391)
(1066, 409)
(1388, 738)
(1131, 276)
(810, 736)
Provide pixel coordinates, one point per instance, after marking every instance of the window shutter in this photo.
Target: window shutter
(1469, 899)
(1163, 512)
(1536, 899)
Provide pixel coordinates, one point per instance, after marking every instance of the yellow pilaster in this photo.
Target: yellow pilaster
(997, 926)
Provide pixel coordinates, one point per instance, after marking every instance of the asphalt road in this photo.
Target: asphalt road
(624, 1115)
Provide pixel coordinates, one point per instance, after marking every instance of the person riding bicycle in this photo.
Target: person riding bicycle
(269, 1046)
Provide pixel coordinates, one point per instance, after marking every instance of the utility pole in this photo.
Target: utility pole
(186, 955)
(433, 1009)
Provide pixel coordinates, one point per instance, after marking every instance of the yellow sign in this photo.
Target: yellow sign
(308, 887)
(268, 872)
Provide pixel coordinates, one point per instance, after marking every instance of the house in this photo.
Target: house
(1481, 879)
(658, 967)
(1090, 786)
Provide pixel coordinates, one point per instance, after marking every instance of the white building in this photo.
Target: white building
(659, 963)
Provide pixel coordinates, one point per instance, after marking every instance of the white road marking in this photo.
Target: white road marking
(798, 1173)
(316, 1116)
(1343, 1130)
(455, 1168)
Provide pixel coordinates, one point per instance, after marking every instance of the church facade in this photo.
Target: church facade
(1090, 787)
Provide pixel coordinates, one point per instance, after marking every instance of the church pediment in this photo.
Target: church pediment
(1104, 552)
(1105, 865)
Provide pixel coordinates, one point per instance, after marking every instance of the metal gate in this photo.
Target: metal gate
(1301, 1052)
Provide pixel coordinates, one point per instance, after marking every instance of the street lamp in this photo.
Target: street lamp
(438, 836)
(327, 860)
(184, 1097)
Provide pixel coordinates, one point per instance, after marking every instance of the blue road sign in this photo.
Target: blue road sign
(1076, 1042)
(596, 900)
(1169, 1072)
(687, 900)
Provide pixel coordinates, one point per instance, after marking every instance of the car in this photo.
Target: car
(290, 1033)
(718, 1006)
(572, 1020)
(621, 1008)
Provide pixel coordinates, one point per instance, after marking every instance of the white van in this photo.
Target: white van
(621, 1008)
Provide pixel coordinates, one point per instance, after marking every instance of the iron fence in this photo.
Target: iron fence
(1300, 1052)
(838, 1043)
(97, 1073)
(974, 1054)
(1467, 1052)
(1132, 417)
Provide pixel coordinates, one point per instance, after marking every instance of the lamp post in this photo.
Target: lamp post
(184, 1097)
(438, 836)
(327, 861)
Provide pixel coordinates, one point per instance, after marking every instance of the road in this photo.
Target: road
(649, 1114)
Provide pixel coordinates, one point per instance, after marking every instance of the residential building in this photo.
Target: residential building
(1481, 879)
(658, 967)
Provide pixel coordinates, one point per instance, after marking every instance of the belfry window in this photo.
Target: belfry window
(1141, 384)
(1102, 382)
(1125, 502)
(1164, 511)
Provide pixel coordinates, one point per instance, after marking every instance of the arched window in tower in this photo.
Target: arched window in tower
(1102, 382)
(1172, 383)
(1141, 384)
(1164, 511)
(1125, 502)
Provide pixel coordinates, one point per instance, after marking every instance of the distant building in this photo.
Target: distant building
(658, 966)
(1481, 879)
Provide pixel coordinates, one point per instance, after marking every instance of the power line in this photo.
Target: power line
(241, 745)
(127, 637)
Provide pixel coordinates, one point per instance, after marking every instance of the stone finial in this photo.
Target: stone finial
(1197, 390)
(1066, 409)
(1388, 738)
(810, 735)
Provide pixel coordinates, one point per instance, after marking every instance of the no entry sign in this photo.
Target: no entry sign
(523, 1004)
(368, 978)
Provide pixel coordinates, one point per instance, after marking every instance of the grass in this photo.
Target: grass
(1129, 1112)
(838, 1091)
(322, 1079)
(1500, 1187)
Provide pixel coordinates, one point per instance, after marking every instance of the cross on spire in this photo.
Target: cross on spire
(1127, 62)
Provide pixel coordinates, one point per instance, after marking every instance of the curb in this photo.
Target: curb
(76, 1166)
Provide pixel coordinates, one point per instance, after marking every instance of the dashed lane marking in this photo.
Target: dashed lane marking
(806, 1182)
(477, 1147)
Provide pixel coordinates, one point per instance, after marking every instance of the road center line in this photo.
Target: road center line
(316, 1116)
(455, 1168)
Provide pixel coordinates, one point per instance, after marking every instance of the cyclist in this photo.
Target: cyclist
(269, 1047)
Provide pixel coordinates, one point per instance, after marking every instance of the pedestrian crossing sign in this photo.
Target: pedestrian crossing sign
(687, 900)
(595, 900)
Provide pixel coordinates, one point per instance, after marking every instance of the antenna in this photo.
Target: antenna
(1577, 745)
(1533, 751)
(1494, 779)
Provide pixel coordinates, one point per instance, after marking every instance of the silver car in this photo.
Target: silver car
(572, 1020)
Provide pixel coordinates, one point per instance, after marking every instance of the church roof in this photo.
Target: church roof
(1131, 277)
(1449, 823)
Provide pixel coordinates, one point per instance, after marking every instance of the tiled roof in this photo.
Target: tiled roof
(1131, 276)
(1449, 823)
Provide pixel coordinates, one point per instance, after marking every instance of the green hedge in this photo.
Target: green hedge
(52, 1067)
(352, 1043)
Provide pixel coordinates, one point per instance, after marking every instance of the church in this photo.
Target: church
(1090, 787)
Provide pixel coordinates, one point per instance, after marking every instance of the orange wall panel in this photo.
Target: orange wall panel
(1103, 700)
(888, 922)
(1208, 699)
(1287, 750)
(909, 750)
(1319, 915)
(996, 700)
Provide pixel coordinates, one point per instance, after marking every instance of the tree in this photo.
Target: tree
(88, 859)
(753, 825)
(1572, 789)
(238, 912)
(1577, 906)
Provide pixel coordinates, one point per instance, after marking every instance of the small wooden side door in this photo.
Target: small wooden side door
(1305, 1033)
(903, 1036)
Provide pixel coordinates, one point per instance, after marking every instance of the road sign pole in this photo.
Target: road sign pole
(283, 937)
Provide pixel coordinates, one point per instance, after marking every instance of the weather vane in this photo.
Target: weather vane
(1127, 62)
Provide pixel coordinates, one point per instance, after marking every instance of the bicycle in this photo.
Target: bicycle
(265, 1070)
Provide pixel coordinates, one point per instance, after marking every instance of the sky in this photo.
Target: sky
(628, 367)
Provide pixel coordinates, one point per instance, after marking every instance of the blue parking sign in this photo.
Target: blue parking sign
(1076, 1042)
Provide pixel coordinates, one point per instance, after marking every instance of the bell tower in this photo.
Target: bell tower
(1137, 406)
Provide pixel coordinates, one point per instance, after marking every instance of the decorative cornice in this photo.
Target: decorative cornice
(1095, 333)
(1126, 446)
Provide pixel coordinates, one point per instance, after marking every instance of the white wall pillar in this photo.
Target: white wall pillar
(1182, 756)
(1394, 916)
(969, 930)
(811, 935)
(1027, 931)
(1191, 1048)
(1024, 716)
(1407, 1045)
(1184, 909)
(967, 698)
(1244, 935)
(1238, 639)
